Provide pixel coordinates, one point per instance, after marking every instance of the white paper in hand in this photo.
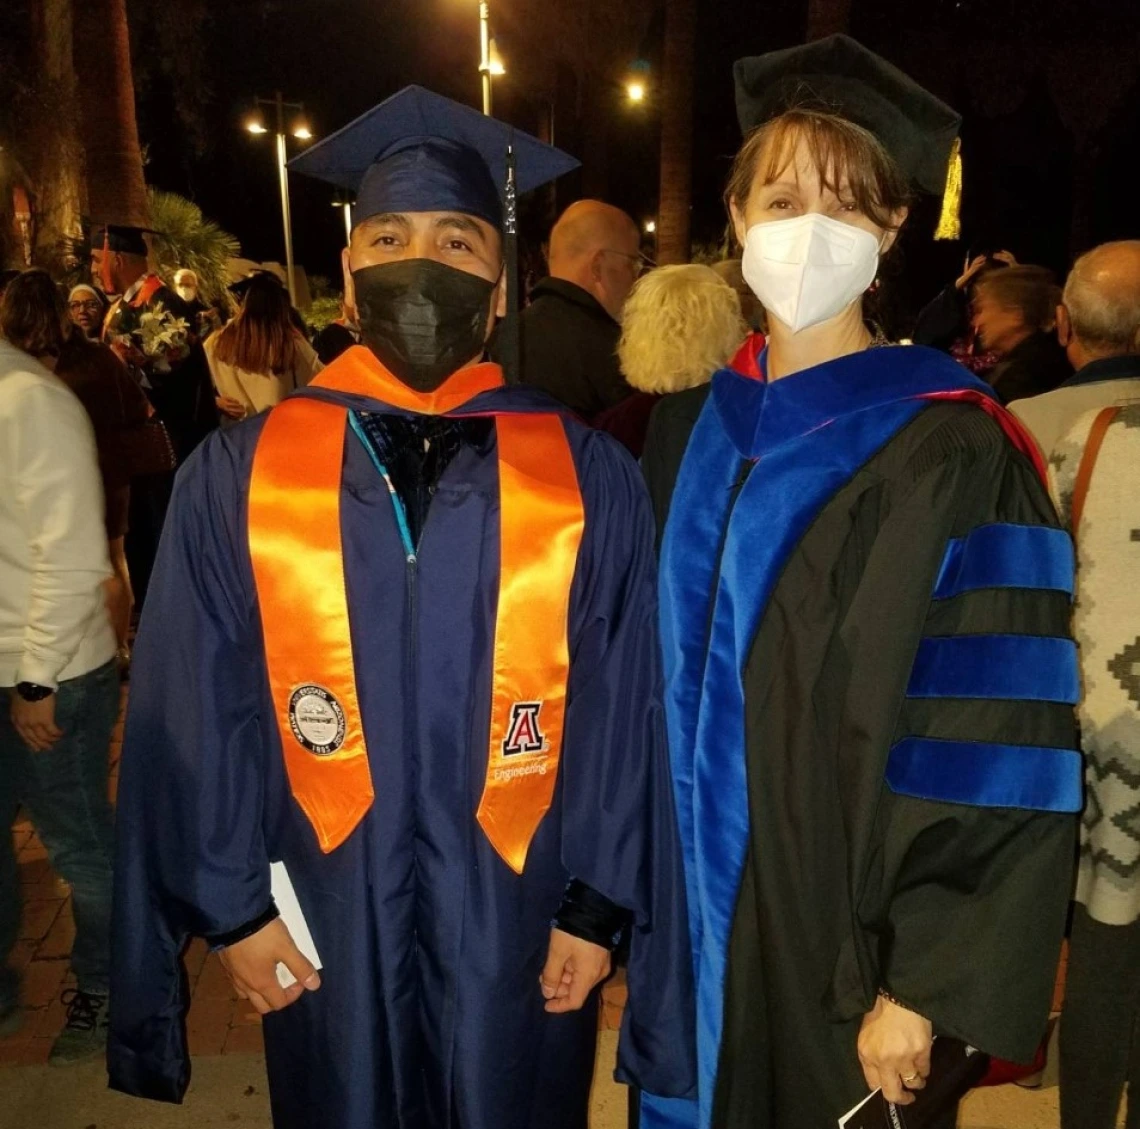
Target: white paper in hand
(293, 919)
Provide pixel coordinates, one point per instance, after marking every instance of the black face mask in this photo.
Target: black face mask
(422, 319)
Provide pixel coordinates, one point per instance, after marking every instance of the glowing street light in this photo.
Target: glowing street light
(256, 125)
(490, 62)
(650, 227)
(496, 66)
(637, 81)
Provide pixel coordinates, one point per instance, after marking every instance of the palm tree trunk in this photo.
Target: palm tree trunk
(52, 152)
(116, 191)
(674, 220)
(827, 17)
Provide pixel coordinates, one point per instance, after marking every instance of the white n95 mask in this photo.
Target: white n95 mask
(808, 269)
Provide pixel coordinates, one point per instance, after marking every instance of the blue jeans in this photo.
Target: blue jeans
(64, 791)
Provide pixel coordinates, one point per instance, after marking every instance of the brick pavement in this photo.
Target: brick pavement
(218, 1022)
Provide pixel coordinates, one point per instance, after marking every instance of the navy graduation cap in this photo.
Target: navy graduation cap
(420, 152)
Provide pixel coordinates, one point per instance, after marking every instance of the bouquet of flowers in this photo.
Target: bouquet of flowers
(154, 336)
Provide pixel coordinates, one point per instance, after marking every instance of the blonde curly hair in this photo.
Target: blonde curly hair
(680, 325)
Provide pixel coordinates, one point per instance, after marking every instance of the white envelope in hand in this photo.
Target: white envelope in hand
(294, 920)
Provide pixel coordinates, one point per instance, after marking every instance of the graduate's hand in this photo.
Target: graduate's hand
(894, 1050)
(35, 722)
(574, 968)
(252, 966)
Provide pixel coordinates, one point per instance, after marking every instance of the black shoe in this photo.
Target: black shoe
(84, 1037)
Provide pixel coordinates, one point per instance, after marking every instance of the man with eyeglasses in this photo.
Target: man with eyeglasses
(571, 329)
(86, 309)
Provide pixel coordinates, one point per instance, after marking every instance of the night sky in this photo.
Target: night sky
(1030, 110)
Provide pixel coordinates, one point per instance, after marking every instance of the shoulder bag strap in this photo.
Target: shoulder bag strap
(1088, 464)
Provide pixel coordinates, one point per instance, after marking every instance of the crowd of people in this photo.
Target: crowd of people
(730, 637)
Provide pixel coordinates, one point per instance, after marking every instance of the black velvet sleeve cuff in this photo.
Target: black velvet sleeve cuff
(223, 940)
(588, 915)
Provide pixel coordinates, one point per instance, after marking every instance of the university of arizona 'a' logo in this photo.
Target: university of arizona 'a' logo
(524, 734)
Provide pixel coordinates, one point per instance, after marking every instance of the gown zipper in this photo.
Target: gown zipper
(410, 558)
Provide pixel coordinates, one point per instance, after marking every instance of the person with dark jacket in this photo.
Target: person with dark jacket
(570, 332)
(944, 322)
(202, 316)
(120, 414)
(681, 324)
(172, 370)
(337, 337)
(1014, 314)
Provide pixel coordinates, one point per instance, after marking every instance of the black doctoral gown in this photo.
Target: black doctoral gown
(865, 613)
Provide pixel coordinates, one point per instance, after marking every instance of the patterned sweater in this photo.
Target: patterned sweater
(1107, 627)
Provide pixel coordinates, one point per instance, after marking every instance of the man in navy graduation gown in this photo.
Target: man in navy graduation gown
(454, 990)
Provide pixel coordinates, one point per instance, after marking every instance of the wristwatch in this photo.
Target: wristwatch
(33, 692)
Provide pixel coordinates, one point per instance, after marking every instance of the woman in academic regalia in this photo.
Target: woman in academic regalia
(865, 609)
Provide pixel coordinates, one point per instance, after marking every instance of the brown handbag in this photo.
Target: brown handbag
(147, 449)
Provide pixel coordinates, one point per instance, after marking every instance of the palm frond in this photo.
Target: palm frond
(186, 239)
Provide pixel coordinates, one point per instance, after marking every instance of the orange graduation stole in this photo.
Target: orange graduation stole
(298, 567)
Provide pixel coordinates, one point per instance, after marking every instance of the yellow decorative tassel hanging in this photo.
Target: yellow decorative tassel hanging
(950, 222)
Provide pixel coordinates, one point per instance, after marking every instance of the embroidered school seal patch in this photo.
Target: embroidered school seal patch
(316, 719)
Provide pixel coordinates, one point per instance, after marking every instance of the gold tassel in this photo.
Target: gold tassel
(950, 222)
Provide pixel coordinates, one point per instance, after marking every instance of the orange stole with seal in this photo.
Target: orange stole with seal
(298, 567)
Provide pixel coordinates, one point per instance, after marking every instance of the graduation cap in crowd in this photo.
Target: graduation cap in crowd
(420, 152)
(840, 75)
(117, 239)
(240, 288)
(120, 239)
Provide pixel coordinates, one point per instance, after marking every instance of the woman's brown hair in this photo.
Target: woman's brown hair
(849, 160)
(261, 338)
(1031, 291)
(33, 316)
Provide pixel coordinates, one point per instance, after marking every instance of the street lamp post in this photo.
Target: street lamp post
(485, 53)
(286, 216)
(490, 63)
(342, 201)
(302, 133)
